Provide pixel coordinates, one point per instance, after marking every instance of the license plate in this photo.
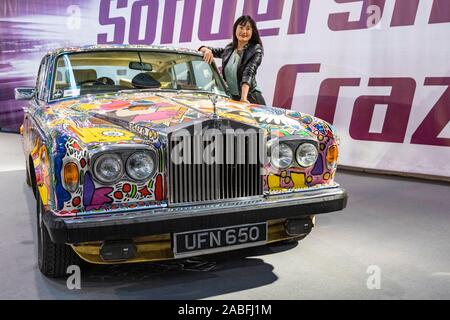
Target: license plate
(219, 239)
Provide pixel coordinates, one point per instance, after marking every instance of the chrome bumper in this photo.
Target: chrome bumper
(131, 224)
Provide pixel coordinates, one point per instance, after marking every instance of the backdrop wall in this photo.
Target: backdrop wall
(377, 69)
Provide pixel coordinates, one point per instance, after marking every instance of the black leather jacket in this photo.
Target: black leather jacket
(250, 61)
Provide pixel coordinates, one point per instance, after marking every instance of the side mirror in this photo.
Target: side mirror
(24, 93)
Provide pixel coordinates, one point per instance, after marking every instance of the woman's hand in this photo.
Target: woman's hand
(244, 92)
(207, 55)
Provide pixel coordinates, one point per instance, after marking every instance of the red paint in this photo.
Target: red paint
(76, 201)
(126, 188)
(144, 192)
(118, 195)
(159, 192)
(83, 163)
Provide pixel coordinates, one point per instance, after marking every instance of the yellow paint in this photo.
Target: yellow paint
(43, 191)
(87, 107)
(159, 247)
(90, 135)
(298, 179)
(42, 161)
(274, 182)
(58, 122)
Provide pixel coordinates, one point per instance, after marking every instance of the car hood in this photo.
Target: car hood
(128, 113)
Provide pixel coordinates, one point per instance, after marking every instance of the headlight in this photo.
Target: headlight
(281, 156)
(306, 155)
(140, 166)
(108, 168)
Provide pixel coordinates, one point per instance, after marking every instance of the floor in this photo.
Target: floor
(391, 242)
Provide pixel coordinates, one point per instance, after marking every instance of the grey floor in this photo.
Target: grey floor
(395, 225)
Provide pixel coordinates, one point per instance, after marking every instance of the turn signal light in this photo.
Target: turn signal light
(332, 156)
(71, 176)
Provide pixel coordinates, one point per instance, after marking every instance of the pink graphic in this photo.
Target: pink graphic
(115, 105)
(156, 116)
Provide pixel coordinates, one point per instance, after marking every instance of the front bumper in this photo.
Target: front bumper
(133, 224)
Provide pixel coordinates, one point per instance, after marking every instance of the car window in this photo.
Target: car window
(41, 89)
(110, 71)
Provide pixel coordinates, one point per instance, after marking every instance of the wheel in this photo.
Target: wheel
(53, 258)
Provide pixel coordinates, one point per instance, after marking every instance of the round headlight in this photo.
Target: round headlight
(140, 166)
(307, 155)
(281, 156)
(108, 168)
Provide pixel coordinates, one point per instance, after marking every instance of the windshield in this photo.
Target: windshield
(102, 72)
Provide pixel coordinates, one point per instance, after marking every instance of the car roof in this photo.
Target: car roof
(93, 48)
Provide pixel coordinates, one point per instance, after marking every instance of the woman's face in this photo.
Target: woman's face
(244, 32)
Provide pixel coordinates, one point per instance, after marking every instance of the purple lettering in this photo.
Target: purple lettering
(286, 79)
(105, 20)
(340, 21)
(226, 20)
(404, 13)
(440, 12)
(152, 19)
(328, 96)
(437, 118)
(299, 16)
(274, 12)
(397, 115)
(187, 23)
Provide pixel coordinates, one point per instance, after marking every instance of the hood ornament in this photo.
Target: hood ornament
(214, 98)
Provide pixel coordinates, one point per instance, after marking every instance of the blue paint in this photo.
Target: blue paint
(88, 189)
(318, 167)
(62, 195)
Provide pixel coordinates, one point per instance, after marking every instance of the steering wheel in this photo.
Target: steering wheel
(105, 81)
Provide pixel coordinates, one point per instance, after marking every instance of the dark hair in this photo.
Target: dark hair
(255, 39)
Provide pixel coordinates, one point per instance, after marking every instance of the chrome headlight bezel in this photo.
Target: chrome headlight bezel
(298, 156)
(275, 151)
(97, 162)
(148, 153)
(122, 152)
(295, 143)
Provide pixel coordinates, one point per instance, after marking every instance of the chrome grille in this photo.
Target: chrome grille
(235, 172)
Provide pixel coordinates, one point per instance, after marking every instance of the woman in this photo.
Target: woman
(240, 61)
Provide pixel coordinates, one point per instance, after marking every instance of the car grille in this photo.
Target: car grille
(235, 174)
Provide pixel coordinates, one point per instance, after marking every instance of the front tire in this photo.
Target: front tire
(53, 258)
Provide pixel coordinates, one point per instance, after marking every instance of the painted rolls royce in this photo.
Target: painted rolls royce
(138, 153)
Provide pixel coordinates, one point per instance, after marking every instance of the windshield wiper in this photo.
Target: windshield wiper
(203, 92)
(147, 90)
